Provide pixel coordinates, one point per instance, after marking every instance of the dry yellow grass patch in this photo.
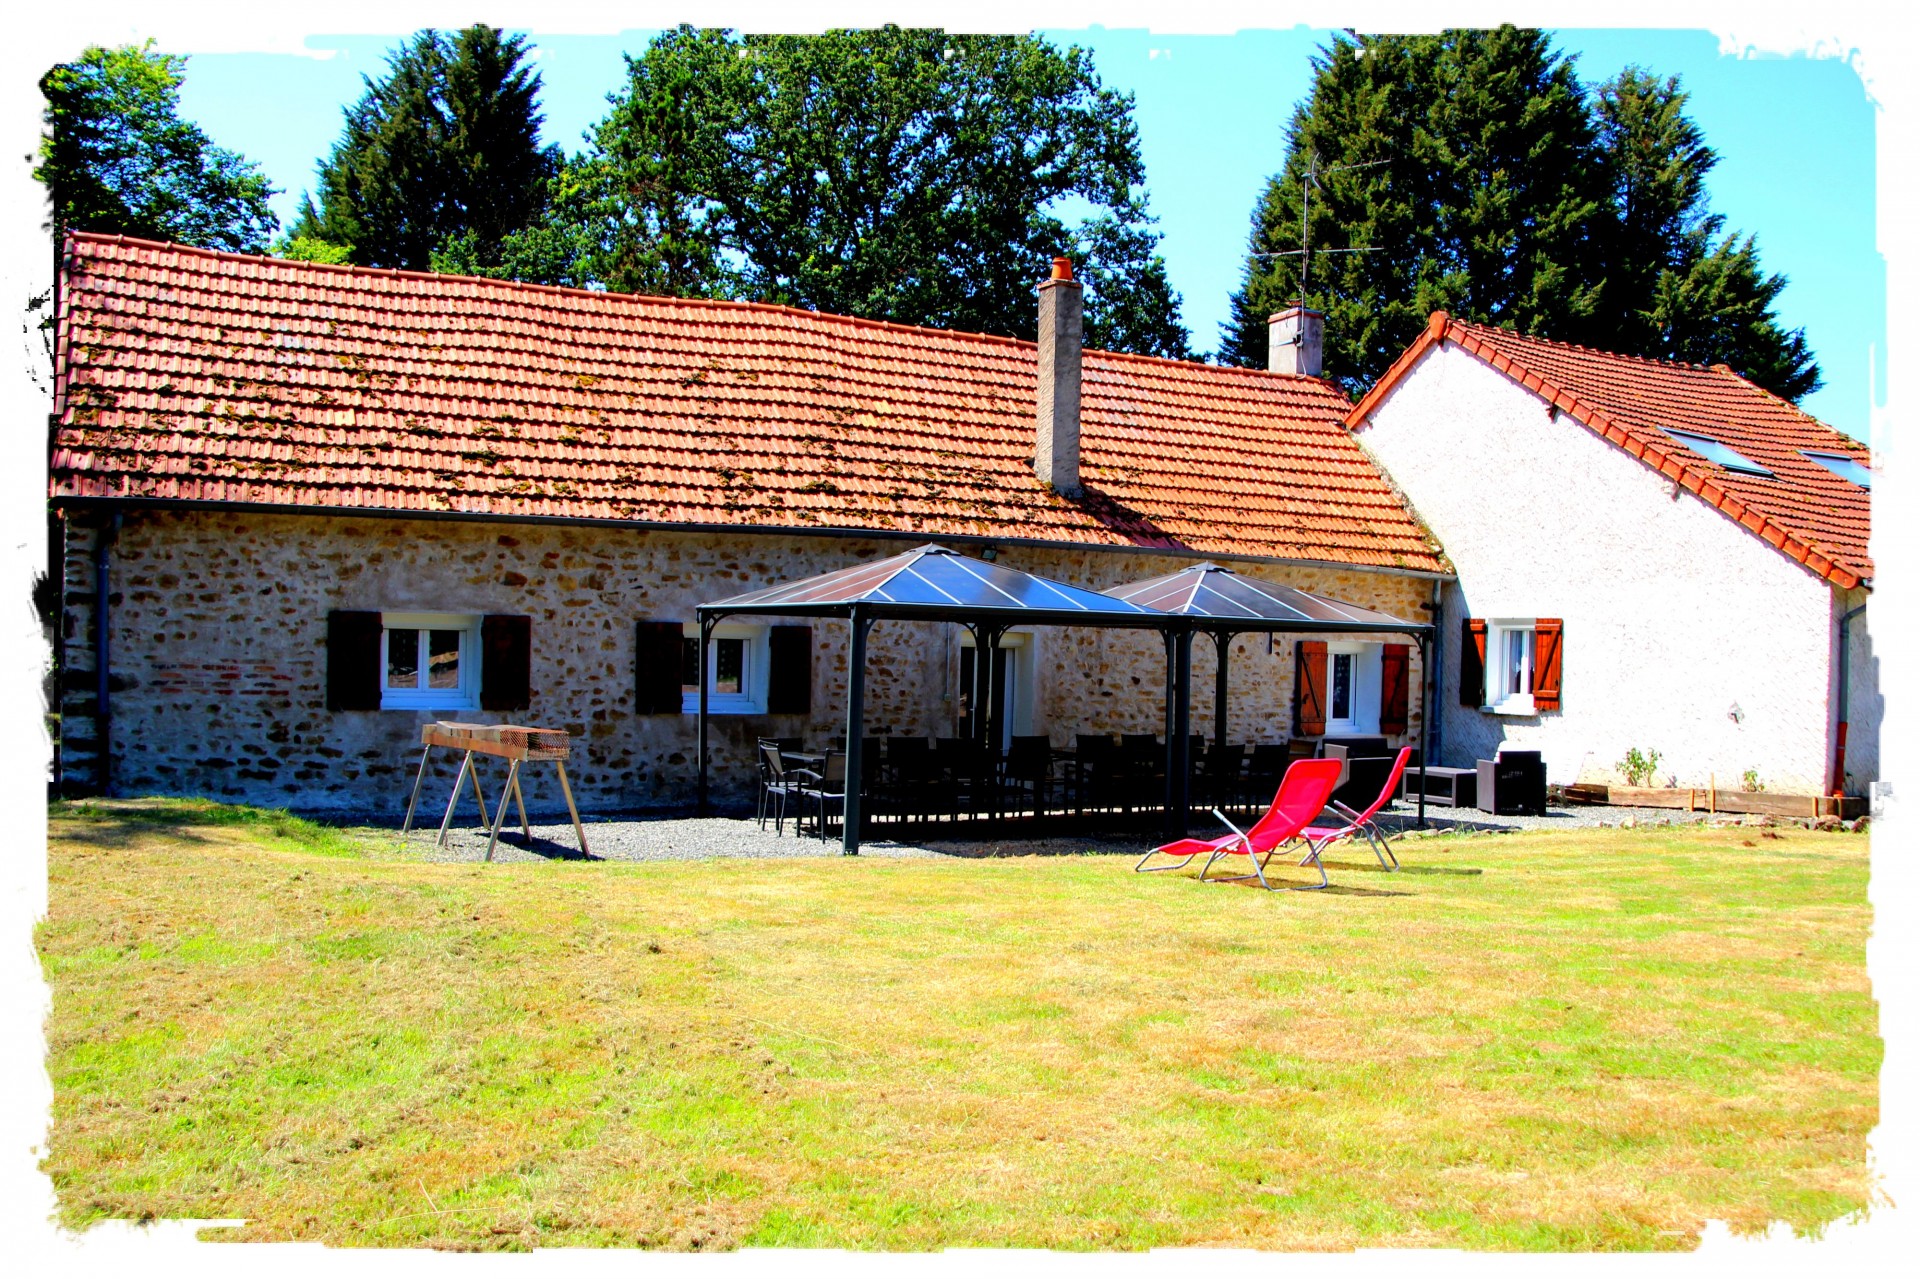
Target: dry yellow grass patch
(1602, 1041)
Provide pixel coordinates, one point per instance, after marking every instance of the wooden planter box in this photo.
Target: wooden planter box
(1699, 799)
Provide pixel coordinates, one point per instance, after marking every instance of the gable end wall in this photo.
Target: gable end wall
(1674, 614)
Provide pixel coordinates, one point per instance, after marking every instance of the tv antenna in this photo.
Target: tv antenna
(1307, 184)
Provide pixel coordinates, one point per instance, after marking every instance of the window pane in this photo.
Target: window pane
(403, 658)
(1517, 644)
(690, 665)
(1342, 699)
(443, 659)
(728, 658)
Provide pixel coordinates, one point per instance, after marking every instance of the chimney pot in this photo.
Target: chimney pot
(1294, 340)
(1056, 454)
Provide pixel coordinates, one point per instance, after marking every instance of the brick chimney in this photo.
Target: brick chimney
(1056, 456)
(1293, 340)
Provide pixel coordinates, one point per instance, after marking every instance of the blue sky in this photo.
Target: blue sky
(1211, 110)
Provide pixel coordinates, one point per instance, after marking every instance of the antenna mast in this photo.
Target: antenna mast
(1310, 180)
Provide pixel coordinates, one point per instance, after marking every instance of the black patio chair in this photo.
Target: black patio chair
(1265, 767)
(776, 786)
(822, 789)
(1219, 773)
(1093, 775)
(1028, 771)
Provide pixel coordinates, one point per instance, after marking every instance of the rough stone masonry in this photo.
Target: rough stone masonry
(218, 633)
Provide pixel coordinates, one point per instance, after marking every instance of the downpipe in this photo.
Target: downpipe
(1840, 729)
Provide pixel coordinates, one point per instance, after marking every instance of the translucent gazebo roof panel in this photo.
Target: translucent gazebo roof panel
(1215, 594)
(935, 580)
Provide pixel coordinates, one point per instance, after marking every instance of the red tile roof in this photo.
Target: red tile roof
(1808, 512)
(191, 375)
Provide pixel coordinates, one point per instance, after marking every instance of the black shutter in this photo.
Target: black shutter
(659, 649)
(506, 662)
(353, 661)
(1473, 661)
(790, 670)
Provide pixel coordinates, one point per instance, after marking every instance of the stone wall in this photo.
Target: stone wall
(219, 624)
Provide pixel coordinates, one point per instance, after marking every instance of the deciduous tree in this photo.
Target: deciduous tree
(912, 176)
(118, 158)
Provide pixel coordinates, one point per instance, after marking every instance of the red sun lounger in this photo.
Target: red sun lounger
(1303, 792)
(1320, 837)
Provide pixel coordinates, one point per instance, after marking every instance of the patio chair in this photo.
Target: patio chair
(776, 786)
(1219, 773)
(1029, 770)
(1302, 795)
(1362, 823)
(1090, 770)
(828, 786)
(1265, 767)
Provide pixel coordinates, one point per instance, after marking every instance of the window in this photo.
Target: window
(1510, 667)
(429, 661)
(1720, 455)
(1850, 469)
(736, 670)
(1353, 688)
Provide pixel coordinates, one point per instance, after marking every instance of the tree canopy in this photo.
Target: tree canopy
(904, 175)
(443, 151)
(117, 157)
(1481, 177)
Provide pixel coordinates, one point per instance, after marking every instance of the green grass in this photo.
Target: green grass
(1601, 1041)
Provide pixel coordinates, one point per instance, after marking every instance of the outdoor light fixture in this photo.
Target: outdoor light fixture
(989, 554)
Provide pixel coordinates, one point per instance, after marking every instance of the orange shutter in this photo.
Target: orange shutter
(1473, 662)
(1310, 688)
(1393, 688)
(1547, 633)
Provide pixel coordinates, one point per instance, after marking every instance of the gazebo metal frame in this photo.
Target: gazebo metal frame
(937, 584)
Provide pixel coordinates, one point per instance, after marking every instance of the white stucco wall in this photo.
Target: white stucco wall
(1674, 614)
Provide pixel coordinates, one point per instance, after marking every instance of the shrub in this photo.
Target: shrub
(1638, 767)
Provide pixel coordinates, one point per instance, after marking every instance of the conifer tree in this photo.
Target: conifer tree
(1462, 163)
(1485, 180)
(1676, 287)
(443, 152)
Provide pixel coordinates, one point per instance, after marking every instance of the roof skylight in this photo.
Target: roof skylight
(1847, 468)
(1720, 455)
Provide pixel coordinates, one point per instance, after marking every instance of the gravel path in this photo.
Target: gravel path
(653, 839)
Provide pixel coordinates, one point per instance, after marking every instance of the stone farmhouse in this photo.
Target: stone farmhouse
(1649, 555)
(303, 509)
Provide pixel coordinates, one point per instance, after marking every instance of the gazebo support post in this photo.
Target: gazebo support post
(1179, 770)
(706, 636)
(850, 808)
(1221, 639)
(1427, 683)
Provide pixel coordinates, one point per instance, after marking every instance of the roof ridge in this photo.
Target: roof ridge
(1590, 350)
(769, 308)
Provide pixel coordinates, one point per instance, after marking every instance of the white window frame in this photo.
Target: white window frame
(1495, 697)
(465, 697)
(755, 667)
(1364, 693)
(1017, 719)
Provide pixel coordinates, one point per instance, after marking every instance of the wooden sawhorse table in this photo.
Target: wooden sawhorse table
(513, 743)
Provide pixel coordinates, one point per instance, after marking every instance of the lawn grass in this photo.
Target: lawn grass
(1600, 1042)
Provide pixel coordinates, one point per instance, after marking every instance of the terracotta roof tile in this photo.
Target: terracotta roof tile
(202, 376)
(1804, 509)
